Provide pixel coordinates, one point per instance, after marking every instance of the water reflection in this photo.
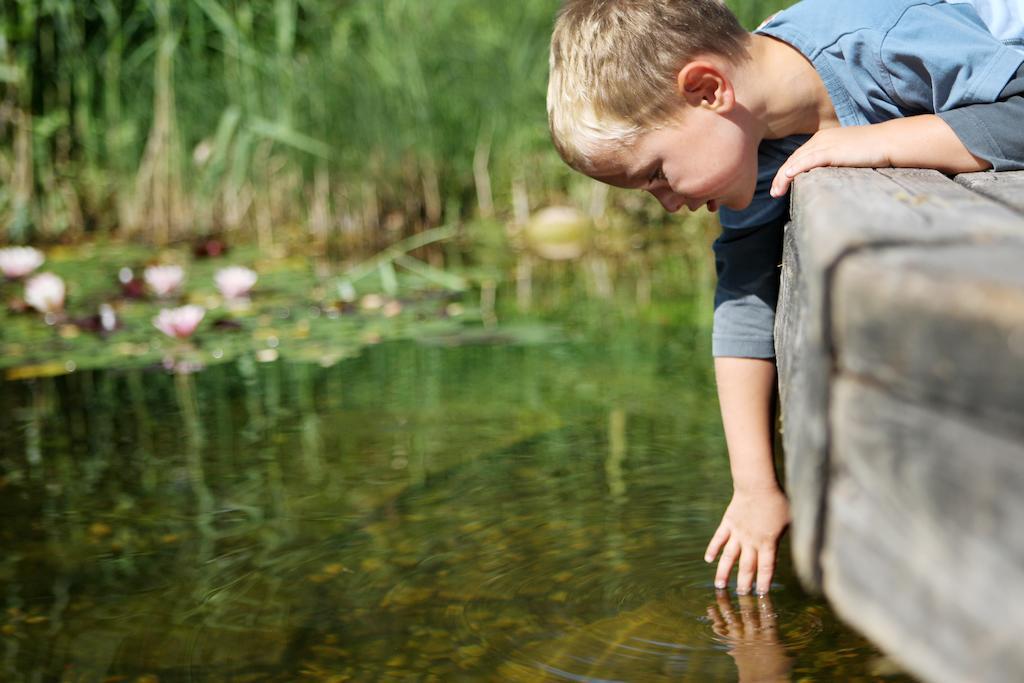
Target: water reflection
(752, 637)
(473, 513)
(660, 642)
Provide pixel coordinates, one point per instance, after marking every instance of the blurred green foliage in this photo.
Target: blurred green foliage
(361, 118)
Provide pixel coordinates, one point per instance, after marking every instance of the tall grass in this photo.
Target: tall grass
(338, 121)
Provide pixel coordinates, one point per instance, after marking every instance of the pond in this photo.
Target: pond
(462, 509)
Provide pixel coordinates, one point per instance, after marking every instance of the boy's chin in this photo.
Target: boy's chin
(737, 203)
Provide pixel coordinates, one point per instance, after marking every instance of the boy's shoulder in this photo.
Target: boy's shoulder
(866, 10)
(825, 22)
(884, 59)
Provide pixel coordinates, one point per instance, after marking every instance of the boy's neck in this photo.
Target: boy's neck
(783, 90)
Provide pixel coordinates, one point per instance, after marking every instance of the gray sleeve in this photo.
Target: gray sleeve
(994, 131)
(747, 261)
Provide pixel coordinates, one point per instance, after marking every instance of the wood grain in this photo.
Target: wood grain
(938, 326)
(836, 214)
(924, 552)
(1006, 188)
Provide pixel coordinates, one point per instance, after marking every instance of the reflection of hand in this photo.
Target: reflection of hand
(753, 639)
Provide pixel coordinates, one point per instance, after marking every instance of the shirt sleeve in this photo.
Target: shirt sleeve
(747, 261)
(940, 56)
(993, 131)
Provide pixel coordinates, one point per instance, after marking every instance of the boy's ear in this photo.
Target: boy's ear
(704, 84)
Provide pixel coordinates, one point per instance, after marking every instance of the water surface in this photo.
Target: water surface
(436, 512)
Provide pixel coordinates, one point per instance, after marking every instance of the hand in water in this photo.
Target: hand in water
(753, 638)
(749, 532)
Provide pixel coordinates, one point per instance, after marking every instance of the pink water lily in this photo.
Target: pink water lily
(16, 262)
(235, 282)
(179, 323)
(163, 280)
(45, 293)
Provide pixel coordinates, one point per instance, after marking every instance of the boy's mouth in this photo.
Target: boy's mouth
(712, 205)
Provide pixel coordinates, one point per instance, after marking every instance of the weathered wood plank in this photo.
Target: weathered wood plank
(837, 212)
(801, 363)
(791, 315)
(923, 550)
(1006, 187)
(856, 208)
(941, 326)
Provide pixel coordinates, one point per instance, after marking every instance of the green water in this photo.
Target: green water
(488, 511)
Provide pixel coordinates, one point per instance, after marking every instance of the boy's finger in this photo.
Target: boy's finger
(729, 555)
(717, 541)
(780, 184)
(765, 569)
(745, 574)
(784, 176)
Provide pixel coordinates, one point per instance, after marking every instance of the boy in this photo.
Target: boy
(673, 97)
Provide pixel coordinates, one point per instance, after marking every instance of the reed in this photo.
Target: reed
(344, 123)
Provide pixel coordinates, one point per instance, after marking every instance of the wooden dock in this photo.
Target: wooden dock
(900, 340)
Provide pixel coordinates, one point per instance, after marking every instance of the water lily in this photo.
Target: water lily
(107, 318)
(45, 293)
(209, 247)
(16, 262)
(181, 322)
(163, 280)
(346, 291)
(131, 287)
(235, 282)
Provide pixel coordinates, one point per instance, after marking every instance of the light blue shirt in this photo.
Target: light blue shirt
(1004, 18)
(879, 60)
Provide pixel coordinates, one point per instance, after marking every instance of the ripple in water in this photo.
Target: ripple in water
(522, 568)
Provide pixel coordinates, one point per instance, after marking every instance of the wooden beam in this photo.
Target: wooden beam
(838, 212)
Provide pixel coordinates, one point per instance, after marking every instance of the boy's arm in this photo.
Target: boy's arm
(993, 131)
(758, 512)
(972, 138)
(924, 141)
(747, 256)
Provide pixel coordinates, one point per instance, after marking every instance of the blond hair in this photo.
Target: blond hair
(614, 64)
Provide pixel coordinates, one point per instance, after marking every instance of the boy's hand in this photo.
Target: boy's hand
(749, 532)
(859, 146)
(922, 141)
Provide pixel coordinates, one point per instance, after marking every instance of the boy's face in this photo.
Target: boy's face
(702, 159)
